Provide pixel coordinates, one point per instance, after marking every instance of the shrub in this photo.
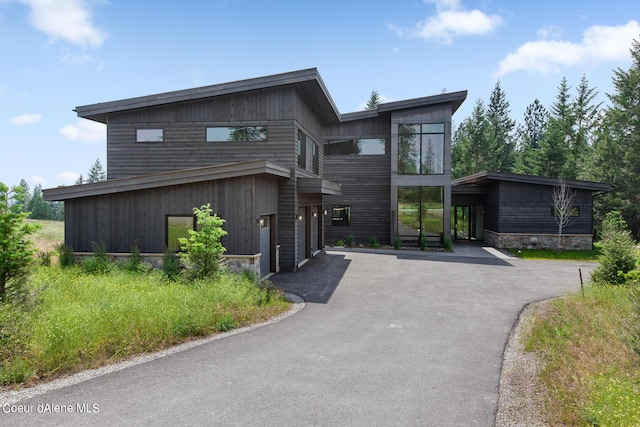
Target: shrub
(423, 243)
(203, 249)
(99, 263)
(170, 265)
(136, 263)
(398, 243)
(351, 241)
(617, 256)
(374, 243)
(447, 243)
(67, 255)
(339, 243)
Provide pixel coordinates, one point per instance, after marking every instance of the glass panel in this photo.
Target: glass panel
(315, 157)
(178, 226)
(149, 135)
(370, 146)
(364, 147)
(302, 150)
(432, 154)
(433, 128)
(239, 133)
(409, 211)
(432, 211)
(408, 154)
(341, 216)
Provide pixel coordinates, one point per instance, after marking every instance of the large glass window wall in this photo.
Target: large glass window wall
(420, 214)
(421, 149)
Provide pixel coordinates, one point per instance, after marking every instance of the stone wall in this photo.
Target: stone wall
(538, 241)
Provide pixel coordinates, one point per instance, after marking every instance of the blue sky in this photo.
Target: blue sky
(59, 54)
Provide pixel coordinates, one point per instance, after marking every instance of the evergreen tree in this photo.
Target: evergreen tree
(472, 148)
(501, 129)
(374, 100)
(584, 118)
(38, 207)
(530, 135)
(553, 150)
(619, 141)
(27, 195)
(79, 181)
(96, 172)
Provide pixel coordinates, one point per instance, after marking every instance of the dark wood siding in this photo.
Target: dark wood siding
(138, 217)
(526, 208)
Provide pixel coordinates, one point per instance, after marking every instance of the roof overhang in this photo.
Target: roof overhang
(165, 179)
(318, 186)
(486, 177)
(454, 98)
(308, 83)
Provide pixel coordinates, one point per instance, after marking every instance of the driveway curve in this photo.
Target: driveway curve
(386, 338)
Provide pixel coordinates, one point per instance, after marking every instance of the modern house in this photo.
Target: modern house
(289, 173)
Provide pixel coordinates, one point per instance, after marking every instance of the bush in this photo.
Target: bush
(423, 243)
(67, 256)
(339, 243)
(203, 250)
(351, 241)
(99, 263)
(136, 263)
(170, 265)
(374, 243)
(447, 243)
(617, 257)
(398, 243)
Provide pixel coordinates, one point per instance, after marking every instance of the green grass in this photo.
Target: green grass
(551, 254)
(590, 374)
(79, 321)
(49, 235)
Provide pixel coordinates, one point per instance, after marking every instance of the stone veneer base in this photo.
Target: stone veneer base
(538, 241)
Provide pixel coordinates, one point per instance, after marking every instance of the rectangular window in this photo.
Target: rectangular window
(361, 147)
(302, 150)
(575, 211)
(149, 135)
(420, 214)
(341, 216)
(178, 226)
(421, 149)
(236, 133)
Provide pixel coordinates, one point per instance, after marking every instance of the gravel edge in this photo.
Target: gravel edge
(13, 396)
(520, 402)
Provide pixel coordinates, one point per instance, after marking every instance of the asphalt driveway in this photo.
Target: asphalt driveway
(384, 339)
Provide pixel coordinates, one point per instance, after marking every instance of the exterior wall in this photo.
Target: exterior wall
(366, 183)
(121, 220)
(538, 241)
(527, 208)
(434, 114)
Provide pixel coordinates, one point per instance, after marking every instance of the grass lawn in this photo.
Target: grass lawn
(50, 234)
(550, 254)
(591, 376)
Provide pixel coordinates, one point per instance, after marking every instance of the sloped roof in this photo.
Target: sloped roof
(179, 177)
(308, 82)
(483, 178)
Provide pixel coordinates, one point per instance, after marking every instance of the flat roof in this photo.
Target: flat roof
(483, 178)
(165, 179)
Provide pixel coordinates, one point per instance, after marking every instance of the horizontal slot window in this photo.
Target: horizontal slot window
(236, 133)
(358, 146)
(149, 135)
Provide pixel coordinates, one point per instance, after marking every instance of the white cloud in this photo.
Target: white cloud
(68, 20)
(38, 180)
(85, 131)
(599, 44)
(451, 21)
(25, 119)
(67, 178)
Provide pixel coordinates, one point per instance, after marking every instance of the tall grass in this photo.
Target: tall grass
(591, 374)
(84, 321)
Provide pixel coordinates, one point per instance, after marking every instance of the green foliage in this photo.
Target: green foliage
(614, 401)
(84, 321)
(67, 255)
(170, 265)
(447, 243)
(16, 250)
(203, 249)
(472, 148)
(96, 172)
(99, 263)
(397, 244)
(423, 243)
(340, 243)
(351, 241)
(373, 101)
(374, 243)
(135, 262)
(501, 127)
(618, 251)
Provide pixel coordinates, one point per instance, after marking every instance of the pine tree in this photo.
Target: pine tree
(38, 207)
(472, 148)
(530, 136)
(27, 195)
(501, 128)
(79, 181)
(96, 172)
(556, 144)
(619, 141)
(374, 100)
(585, 113)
